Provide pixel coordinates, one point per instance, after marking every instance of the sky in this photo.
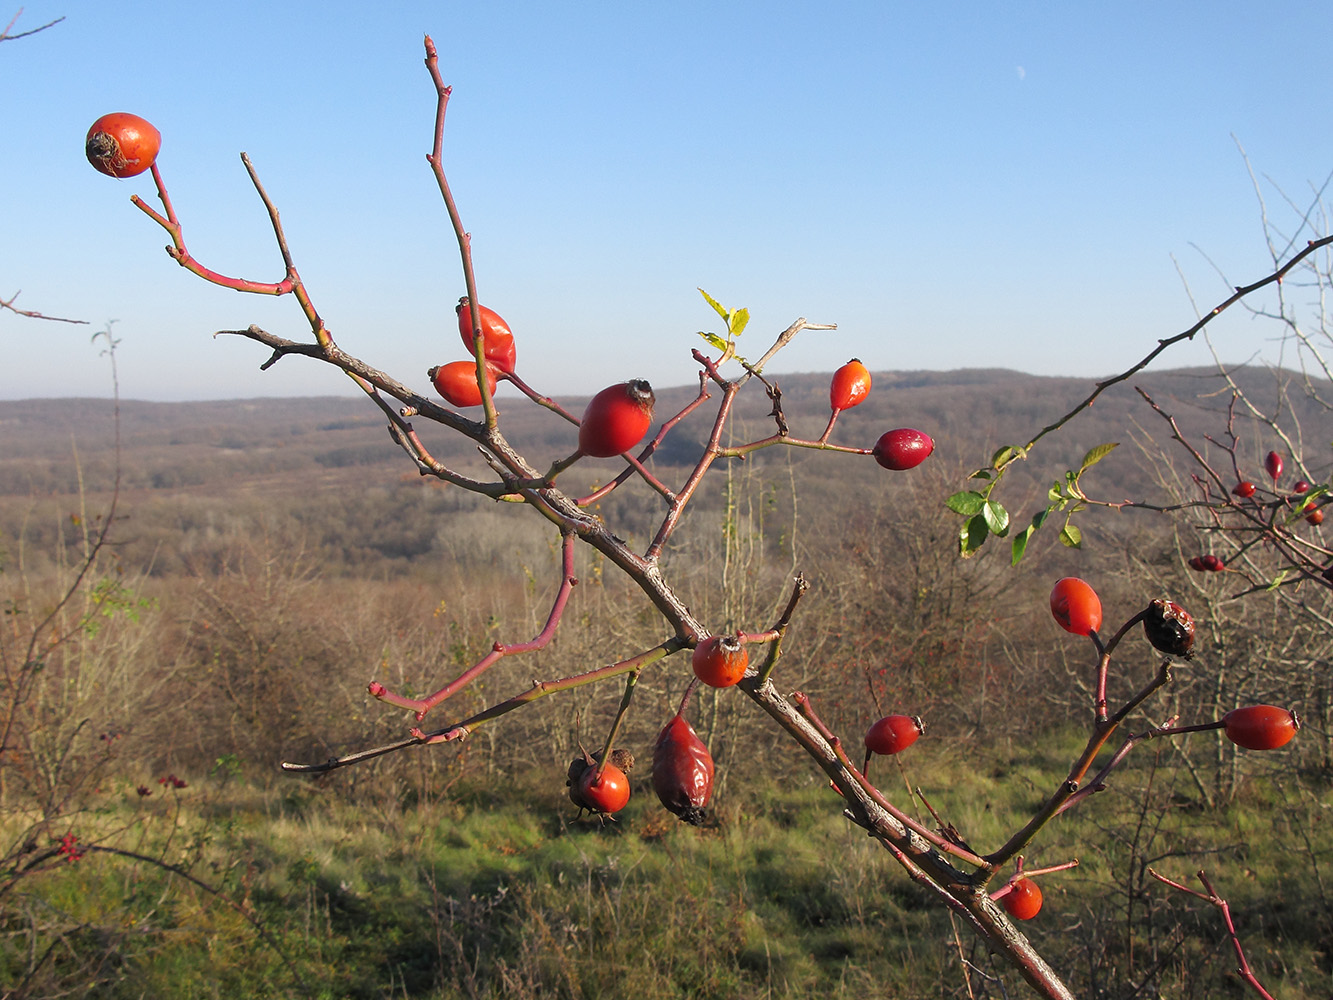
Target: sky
(954, 185)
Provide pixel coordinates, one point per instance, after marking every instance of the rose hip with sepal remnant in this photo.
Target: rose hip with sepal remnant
(720, 660)
(122, 144)
(616, 419)
(1261, 727)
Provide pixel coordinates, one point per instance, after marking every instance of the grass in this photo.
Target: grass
(495, 890)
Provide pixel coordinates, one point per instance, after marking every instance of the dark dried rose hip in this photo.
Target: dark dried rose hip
(682, 771)
(1169, 628)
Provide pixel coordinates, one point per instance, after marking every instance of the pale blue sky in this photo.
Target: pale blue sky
(954, 184)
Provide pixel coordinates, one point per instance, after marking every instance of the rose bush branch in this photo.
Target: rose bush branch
(807, 711)
(464, 728)
(1245, 972)
(499, 650)
(997, 521)
(917, 854)
(1055, 804)
(33, 314)
(1270, 522)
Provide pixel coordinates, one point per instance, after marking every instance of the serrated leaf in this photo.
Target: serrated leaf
(718, 307)
(738, 321)
(1095, 455)
(967, 503)
(997, 518)
(973, 536)
(1071, 537)
(1003, 457)
(714, 340)
(1020, 545)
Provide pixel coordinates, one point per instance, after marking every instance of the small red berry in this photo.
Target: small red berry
(893, 734)
(616, 419)
(1315, 516)
(1213, 564)
(1261, 727)
(122, 145)
(851, 384)
(1244, 489)
(903, 449)
(607, 794)
(1075, 606)
(720, 661)
(457, 382)
(497, 338)
(1023, 901)
(1273, 466)
(1300, 486)
(1197, 564)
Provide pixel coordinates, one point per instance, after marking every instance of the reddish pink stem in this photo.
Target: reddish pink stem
(182, 256)
(1244, 971)
(423, 705)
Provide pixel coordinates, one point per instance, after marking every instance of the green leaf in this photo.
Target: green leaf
(1020, 545)
(1003, 457)
(997, 518)
(1056, 495)
(973, 536)
(1039, 518)
(967, 503)
(718, 307)
(980, 474)
(1277, 580)
(714, 339)
(1071, 537)
(1097, 454)
(738, 321)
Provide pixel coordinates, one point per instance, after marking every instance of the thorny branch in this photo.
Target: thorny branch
(927, 855)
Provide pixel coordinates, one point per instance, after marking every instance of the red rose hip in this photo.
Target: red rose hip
(1273, 465)
(122, 145)
(1076, 606)
(457, 382)
(1023, 901)
(1261, 727)
(851, 384)
(497, 338)
(720, 660)
(902, 449)
(616, 419)
(893, 734)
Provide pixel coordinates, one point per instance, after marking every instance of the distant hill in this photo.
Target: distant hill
(316, 443)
